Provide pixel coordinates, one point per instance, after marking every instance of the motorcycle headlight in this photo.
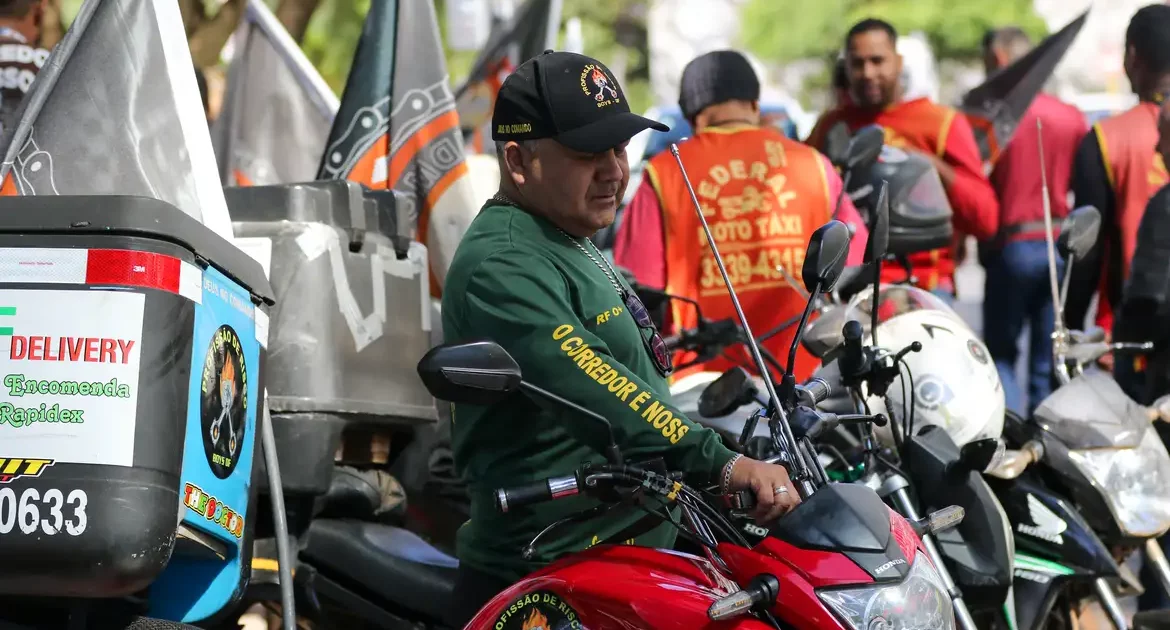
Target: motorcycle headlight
(917, 603)
(1135, 482)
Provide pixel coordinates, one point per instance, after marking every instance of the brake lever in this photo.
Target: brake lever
(529, 550)
(1128, 346)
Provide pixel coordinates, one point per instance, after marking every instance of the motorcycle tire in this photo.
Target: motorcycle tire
(150, 623)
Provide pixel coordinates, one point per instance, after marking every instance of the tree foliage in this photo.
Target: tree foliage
(784, 30)
(608, 27)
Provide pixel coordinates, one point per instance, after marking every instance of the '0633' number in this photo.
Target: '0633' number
(51, 513)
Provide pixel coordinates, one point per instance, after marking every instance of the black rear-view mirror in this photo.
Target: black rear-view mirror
(1078, 234)
(732, 390)
(825, 259)
(476, 373)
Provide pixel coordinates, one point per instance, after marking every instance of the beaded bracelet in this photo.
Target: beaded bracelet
(727, 469)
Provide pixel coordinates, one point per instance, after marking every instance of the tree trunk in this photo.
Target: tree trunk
(52, 29)
(206, 36)
(295, 16)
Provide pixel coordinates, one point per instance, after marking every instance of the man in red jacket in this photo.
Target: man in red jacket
(1017, 289)
(873, 67)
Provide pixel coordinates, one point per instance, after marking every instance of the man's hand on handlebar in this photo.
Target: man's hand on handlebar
(765, 481)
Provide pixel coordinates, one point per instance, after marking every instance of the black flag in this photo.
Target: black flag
(532, 30)
(397, 127)
(996, 106)
(116, 111)
(277, 110)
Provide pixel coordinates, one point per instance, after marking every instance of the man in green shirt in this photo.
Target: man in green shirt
(527, 277)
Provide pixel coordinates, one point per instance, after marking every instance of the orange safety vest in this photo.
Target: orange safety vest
(1135, 172)
(916, 124)
(762, 195)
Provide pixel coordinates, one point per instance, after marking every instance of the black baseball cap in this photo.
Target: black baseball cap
(570, 98)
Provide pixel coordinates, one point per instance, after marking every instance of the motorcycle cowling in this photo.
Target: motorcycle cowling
(980, 550)
(920, 214)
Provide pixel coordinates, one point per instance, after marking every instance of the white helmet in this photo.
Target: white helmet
(955, 383)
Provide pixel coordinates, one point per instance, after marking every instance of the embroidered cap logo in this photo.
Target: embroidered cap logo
(603, 90)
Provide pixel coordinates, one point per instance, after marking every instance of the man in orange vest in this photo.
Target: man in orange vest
(763, 196)
(1117, 170)
(873, 67)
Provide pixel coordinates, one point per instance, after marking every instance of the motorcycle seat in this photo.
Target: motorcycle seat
(391, 563)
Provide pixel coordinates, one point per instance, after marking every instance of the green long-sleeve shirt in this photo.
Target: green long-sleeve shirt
(520, 282)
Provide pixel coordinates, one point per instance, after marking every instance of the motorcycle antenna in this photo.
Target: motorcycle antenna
(1058, 306)
(881, 208)
(802, 472)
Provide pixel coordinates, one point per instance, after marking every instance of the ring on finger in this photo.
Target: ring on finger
(780, 490)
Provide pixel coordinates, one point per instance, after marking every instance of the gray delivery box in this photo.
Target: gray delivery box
(353, 313)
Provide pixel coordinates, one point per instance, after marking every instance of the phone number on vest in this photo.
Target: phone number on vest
(50, 514)
(750, 270)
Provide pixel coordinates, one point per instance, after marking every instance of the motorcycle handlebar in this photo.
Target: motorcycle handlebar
(813, 392)
(1084, 353)
(852, 360)
(536, 492)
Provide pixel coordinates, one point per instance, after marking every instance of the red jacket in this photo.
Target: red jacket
(1016, 177)
(924, 126)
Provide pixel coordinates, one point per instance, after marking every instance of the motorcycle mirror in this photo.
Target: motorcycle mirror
(482, 372)
(732, 390)
(981, 455)
(879, 233)
(837, 144)
(823, 263)
(1078, 234)
(475, 373)
(825, 258)
(864, 147)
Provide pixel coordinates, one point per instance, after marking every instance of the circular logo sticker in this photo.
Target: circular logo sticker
(976, 349)
(931, 393)
(223, 401)
(539, 610)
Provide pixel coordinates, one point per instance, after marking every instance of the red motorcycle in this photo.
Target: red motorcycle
(841, 559)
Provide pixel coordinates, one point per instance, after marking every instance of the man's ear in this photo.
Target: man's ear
(38, 13)
(517, 162)
(898, 60)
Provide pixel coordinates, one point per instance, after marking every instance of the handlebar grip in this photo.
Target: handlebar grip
(852, 360)
(814, 391)
(536, 492)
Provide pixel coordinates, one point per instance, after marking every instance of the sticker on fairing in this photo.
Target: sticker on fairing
(538, 610)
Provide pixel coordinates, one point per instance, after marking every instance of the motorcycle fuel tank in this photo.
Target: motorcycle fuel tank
(613, 587)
